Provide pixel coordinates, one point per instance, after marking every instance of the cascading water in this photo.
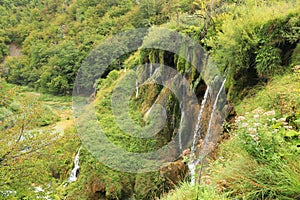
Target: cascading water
(191, 165)
(151, 70)
(74, 173)
(180, 130)
(215, 107)
(136, 88)
(194, 162)
(196, 132)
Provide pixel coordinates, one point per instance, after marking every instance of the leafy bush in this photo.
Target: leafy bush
(254, 42)
(296, 55)
(263, 167)
(268, 61)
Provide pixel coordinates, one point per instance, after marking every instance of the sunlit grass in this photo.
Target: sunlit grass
(195, 192)
(282, 93)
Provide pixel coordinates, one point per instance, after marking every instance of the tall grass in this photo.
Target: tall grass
(194, 192)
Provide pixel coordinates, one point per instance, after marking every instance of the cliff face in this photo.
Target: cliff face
(177, 101)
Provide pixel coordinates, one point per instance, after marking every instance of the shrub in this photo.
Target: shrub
(268, 61)
(254, 42)
(296, 55)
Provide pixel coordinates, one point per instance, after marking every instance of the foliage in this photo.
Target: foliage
(31, 150)
(264, 166)
(57, 36)
(275, 96)
(268, 60)
(296, 55)
(107, 121)
(258, 162)
(194, 192)
(254, 42)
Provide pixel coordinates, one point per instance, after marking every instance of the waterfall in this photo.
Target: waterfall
(196, 131)
(74, 173)
(180, 130)
(136, 88)
(192, 168)
(215, 106)
(151, 70)
(148, 112)
(191, 165)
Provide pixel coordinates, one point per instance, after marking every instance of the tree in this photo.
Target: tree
(26, 145)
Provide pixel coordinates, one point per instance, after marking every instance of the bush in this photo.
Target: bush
(259, 163)
(268, 61)
(296, 55)
(254, 42)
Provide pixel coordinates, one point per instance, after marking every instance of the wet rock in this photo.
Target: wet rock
(98, 189)
(174, 172)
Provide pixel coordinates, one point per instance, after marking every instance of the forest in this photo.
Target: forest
(150, 99)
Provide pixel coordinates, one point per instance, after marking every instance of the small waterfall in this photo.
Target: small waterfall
(136, 88)
(148, 112)
(215, 106)
(199, 121)
(180, 130)
(74, 173)
(191, 165)
(192, 168)
(151, 70)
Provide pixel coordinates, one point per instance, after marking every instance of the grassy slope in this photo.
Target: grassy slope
(261, 158)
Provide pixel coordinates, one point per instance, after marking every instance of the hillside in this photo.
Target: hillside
(259, 157)
(164, 99)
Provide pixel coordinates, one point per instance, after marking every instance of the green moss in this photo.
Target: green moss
(107, 119)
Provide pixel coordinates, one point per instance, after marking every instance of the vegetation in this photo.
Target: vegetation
(31, 148)
(258, 160)
(254, 43)
(188, 192)
(56, 36)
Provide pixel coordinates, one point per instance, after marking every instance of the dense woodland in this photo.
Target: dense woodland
(254, 43)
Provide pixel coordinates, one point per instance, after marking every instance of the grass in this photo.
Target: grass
(195, 192)
(49, 97)
(281, 94)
